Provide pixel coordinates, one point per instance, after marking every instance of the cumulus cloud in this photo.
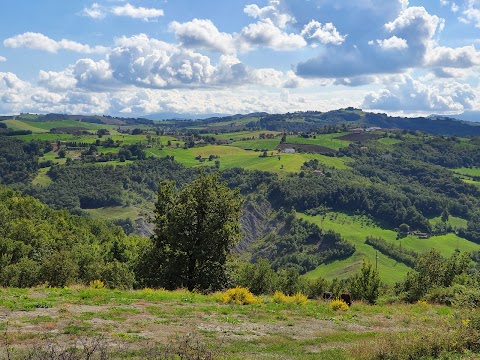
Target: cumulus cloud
(56, 81)
(271, 12)
(265, 33)
(3, 59)
(408, 36)
(464, 57)
(96, 11)
(39, 41)
(412, 95)
(137, 12)
(146, 62)
(323, 34)
(202, 34)
(393, 43)
(472, 13)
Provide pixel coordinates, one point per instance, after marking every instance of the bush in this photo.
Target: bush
(25, 273)
(338, 305)
(281, 298)
(117, 275)
(239, 296)
(60, 269)
(97, 284)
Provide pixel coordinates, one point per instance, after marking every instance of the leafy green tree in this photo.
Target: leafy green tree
(195, 228)
(258, 277)
(365, 286)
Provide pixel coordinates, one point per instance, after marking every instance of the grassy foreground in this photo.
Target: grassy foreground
(161, 324)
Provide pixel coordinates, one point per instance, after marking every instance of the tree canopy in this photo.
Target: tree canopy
(195, 229)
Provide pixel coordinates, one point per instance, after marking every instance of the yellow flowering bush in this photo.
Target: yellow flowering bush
(240, 296)
(97, 284)
(338, 305)
(281, 298)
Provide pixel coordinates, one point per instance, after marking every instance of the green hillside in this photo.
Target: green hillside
(355, 229)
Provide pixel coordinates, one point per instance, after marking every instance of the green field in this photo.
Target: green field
(260, 144)
(43, 322)
(24, 125)
(53, 156)
(58, 137)
(46, 126)
(115, 212)
(231, 157)
(356, 228)
(42, 178)
(240, 135)
(328, 140)
(467, 171)
(455, 222)
(389, 141)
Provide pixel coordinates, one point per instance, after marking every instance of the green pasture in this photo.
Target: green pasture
(389, 141)
(241, 135)
(127, 139)
(42, 178)
(473, 182)
(356, 228)
(467, 171)
(328, 140)
(231, 157)
(57, 137)
(158, 324)
(38, 127)
(230, 122)
(268, 144)
(455, 222)
(23, 125)
(115, 212)
(53, 156)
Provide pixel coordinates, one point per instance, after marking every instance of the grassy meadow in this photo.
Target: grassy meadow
(231, 157)
(331, 141)
(355, 229)
(154, 323)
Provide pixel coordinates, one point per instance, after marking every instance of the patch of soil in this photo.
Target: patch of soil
(310, 148)
(359, 137)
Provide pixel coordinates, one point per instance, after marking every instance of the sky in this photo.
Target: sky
(140, 57)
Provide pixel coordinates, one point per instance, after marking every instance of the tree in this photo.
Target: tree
(365, 286)
(195, 229)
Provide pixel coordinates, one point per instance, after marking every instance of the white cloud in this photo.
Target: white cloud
(96, 11)
(3, 59)
(471, 14)
(137, 12)
(464, 57)
(324, 34)
(418, 21)
(94, 76)
(202, 34)
(270, 12)
(412, 95)
(265, 33)
(56, 81)
(393, 43)
(41, 42)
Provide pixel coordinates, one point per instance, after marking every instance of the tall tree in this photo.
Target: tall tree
(195, 228)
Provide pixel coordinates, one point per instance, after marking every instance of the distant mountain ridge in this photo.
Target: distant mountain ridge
(306, 121)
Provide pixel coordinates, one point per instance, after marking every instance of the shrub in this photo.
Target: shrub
(24, 273)
(117, 275)
(240, 296)
(97, 284)
(281, 298)
(338, 305)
